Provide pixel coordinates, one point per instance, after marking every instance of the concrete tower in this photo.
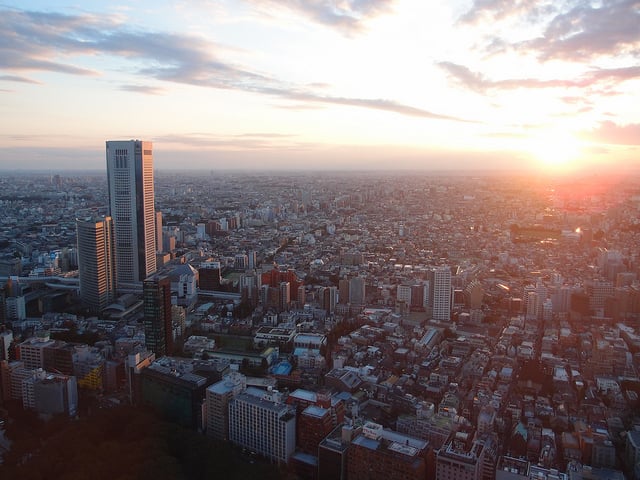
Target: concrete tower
(440, 281)
(96, 262)
(131, 205)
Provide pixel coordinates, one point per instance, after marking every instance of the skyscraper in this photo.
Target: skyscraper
(156, 297)
(96, 262)
(131, 205)
(440, 282)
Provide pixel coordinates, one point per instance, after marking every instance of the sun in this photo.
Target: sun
(555, 152)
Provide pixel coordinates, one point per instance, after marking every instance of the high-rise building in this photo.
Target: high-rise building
(330, 299)
(440, 282)
(285, 295)
(96, 262)
(156, 297)
(218, 397)
(357, 291)
(158, 226)
(263, 423)
(131, 205)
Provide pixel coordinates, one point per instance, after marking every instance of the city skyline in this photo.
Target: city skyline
(260, 84)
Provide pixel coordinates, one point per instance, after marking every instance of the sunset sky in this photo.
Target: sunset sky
(319, 84)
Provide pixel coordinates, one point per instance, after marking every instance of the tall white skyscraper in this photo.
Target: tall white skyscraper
(131, 205)
(440, 282)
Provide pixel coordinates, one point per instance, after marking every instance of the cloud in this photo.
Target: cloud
(614, 134)
(28, 39)
(246, 141)
(147, 89)
(375, 104)
(347, 16)
(477, 82)
(585, 32)
(17, 78)
(572, 30)
(497, 10)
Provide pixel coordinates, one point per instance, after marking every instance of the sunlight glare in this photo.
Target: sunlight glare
(555, 151)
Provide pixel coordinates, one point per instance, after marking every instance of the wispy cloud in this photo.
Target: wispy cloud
(17, 78)
(147, 89)
(478, 82)
(375, 104)
(496, 10)
(246, 141)
(614, 134)
(347, 16)
(28, 38)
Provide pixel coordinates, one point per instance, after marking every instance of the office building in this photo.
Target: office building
(261, 422)
(175, 391)
(31, 351)
(134, 364)
(131, 205)
(13, 373)
(158, 226)
(49, 393)
(156, 298)
(383, 454)
(218, 397)
(357, 291)
(285, 296)
(210, 275)
(461, 458)
(96, 262)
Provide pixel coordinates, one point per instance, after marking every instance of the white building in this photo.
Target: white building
(218, 397)
(32, 350)
(262, 423)
(131, 205)
(440, 282)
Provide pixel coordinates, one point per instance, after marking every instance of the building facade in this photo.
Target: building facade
(96, 262)
(131, 205)
(440, 283)
(156, 297)
(218, 397)
(264, 424)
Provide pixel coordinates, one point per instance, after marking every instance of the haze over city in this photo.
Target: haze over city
(546, 86)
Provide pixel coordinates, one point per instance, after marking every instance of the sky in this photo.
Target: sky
(546, 85)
